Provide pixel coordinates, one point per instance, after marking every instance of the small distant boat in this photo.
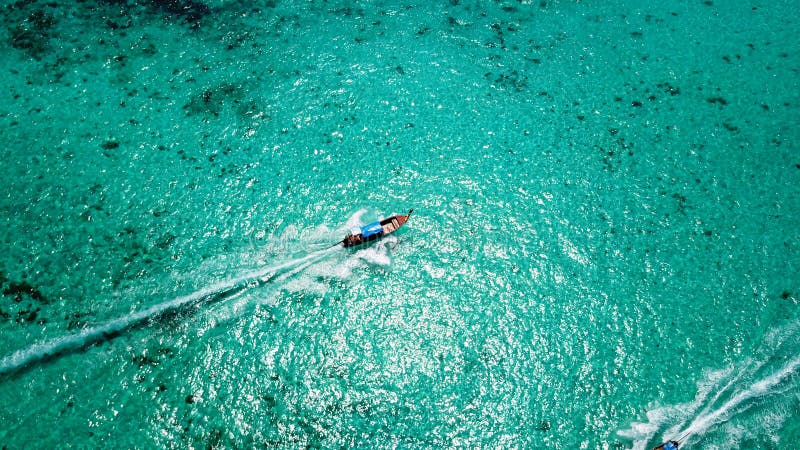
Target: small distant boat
(375, 230)
(669, 445)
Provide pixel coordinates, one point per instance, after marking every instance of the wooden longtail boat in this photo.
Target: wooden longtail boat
(375, 230)
(669, 445)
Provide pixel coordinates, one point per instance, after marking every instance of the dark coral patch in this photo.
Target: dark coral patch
(144, 360)
(76, 320)
(669, 89)
(186, 11)
(512, 80)
(32, 35)
(190, 11)
(19, 290)
(717, 100)
(165, 241)
(210, 102)
(29, 316)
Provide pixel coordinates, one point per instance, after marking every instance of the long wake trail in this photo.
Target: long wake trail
(762, 384)
(27, 357)
(764, 387)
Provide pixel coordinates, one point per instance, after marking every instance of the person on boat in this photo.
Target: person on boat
(352, 240)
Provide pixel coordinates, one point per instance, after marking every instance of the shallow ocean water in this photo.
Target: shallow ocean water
(603, 252)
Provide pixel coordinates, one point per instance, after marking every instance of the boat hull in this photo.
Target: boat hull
(376, 230)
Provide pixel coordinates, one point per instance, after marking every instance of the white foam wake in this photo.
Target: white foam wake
(740, 401)
(26, 357)
(725, 395)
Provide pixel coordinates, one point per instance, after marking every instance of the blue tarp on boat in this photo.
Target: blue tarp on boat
(371, 229)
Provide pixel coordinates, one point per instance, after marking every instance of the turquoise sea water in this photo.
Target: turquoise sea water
(604, 250)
